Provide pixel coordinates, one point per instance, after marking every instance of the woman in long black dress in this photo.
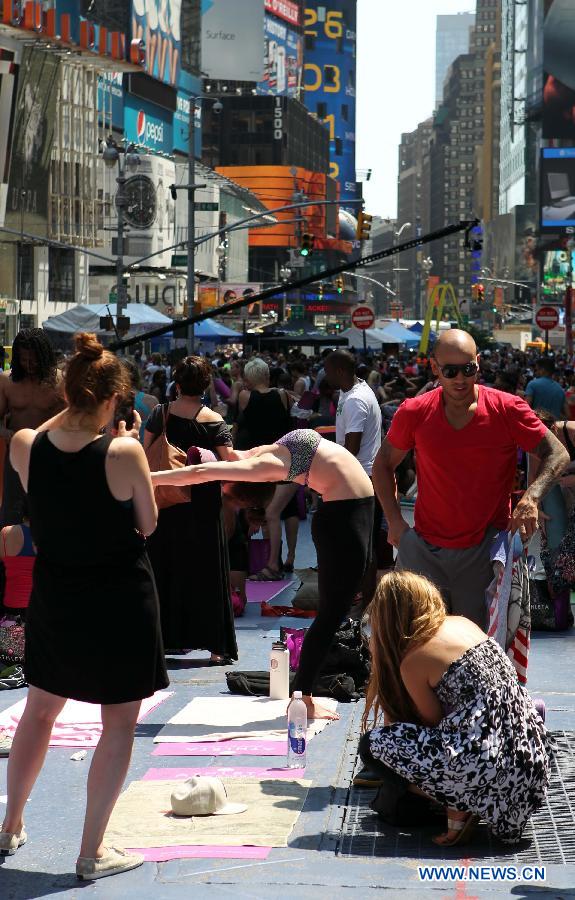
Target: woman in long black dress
(188, 550)
(91, 501)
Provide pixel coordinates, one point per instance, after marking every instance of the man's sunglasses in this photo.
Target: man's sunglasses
(451, 370)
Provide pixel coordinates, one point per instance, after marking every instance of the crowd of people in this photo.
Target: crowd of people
(181, 461)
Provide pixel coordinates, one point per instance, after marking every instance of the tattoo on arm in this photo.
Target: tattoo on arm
(553, 460)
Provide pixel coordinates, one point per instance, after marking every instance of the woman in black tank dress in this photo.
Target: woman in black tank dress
(92, 630)
(188, 550)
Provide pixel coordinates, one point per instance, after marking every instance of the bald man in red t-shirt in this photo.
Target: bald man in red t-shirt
(465, 438)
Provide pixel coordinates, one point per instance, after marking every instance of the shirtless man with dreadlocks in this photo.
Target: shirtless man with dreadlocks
(30, 395)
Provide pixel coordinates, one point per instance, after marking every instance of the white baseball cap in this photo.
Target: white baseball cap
(203, 796)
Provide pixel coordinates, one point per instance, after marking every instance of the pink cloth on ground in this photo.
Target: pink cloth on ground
(164, 854)
(223, 772)
(79, 724)
(258, 591)
(234, 747)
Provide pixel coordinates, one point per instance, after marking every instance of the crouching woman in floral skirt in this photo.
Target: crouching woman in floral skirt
(459, 728)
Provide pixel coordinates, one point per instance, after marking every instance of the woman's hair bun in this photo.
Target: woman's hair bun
(88, 345)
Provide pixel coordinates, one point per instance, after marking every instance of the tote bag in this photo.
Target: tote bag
(161, 456)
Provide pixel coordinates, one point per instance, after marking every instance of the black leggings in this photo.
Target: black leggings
(342, 534)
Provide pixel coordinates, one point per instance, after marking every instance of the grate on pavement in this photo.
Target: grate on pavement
(549, 837)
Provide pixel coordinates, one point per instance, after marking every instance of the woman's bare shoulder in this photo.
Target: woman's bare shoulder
(209, 415)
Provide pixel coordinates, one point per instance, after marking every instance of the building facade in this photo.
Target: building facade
(451, 40)
(456, 146)
(413, 199)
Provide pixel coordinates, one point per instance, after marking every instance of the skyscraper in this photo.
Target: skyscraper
(457, 145)
(451, 40)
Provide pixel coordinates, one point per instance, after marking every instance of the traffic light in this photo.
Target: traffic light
(320, 291)
(474, 294)
(363, 230)
(480, 293)
(339, 284)
(307, 241)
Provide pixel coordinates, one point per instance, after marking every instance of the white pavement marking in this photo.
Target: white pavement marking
(274, 862)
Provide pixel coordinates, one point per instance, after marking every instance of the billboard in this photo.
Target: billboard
(147, 125)
(212, 295)
(182, 124)
(233, 39)
(35, 116)
(557, 269)
(287, 10)
(283, 59)
(329, 82)
(157, 24)
(559, 69)
(558, 188)
(111, 100)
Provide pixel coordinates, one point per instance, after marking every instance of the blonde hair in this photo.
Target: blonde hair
(406, 611)
(257, 371)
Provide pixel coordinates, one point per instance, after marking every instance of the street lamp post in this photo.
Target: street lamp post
(427, 266)
(398, 270)
(125, 157)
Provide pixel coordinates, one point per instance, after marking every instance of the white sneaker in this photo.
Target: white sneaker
(9, 842)
(5, 744)
(112, 862)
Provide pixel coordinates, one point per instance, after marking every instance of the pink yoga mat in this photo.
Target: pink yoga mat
(235, 747)
(164, 854)
(79, 724)
(223, 772)
(257, 591)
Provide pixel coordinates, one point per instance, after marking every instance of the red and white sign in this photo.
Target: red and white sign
(547, 318)
(362, 317)
(284, 9)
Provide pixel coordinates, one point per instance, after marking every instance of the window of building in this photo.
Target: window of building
(61, 275)
(25, 272)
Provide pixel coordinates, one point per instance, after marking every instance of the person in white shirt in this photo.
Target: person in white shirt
(358, 429)
(358, 417)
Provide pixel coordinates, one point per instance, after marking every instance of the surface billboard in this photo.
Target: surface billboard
(329, 82)
(558, 188)
(233, 39)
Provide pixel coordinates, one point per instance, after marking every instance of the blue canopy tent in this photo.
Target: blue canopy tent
(210, 330)
(400, 335)
(417, 328)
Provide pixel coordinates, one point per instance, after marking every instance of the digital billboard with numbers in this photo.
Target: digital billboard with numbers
(329, 81)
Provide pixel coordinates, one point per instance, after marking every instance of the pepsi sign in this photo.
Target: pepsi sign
(148, 125)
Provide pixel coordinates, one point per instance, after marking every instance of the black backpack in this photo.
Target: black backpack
(257, 684)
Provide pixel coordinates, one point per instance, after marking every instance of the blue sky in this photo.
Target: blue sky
(395, 85)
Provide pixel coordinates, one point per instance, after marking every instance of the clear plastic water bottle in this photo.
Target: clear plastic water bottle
(297, 728)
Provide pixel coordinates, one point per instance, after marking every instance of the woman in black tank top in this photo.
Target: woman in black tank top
(263, 412)
(92, 628)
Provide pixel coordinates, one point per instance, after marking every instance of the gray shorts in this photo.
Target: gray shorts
(462, 576)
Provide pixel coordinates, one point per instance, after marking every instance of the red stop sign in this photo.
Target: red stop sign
(362, 317)
(547, 318)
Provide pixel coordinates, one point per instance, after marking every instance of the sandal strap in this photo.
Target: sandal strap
(456, 824)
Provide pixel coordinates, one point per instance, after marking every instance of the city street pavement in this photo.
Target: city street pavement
(316, 864)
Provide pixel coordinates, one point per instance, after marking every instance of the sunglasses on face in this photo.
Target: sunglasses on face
(451, 370)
